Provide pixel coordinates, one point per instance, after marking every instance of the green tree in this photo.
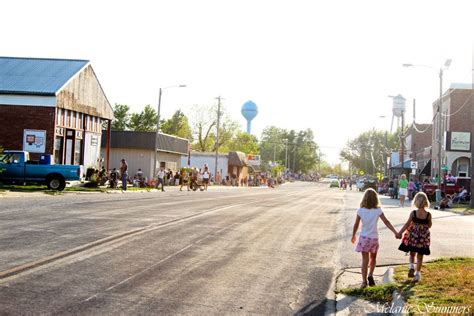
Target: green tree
(204, 120)
(244, 142)
(177, 125)
(144, 121)
(227, 132)
(122, 117)
(305, 157)
(297, 149)
(272, 146)
(369, 150)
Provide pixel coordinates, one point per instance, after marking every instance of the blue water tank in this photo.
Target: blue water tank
(249, 111)
(46, 159)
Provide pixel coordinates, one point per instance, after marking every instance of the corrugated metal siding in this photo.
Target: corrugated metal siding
(146, 140)
(201, 159)
(36, 75)
(142, 159)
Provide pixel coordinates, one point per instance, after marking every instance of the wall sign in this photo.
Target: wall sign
(94, 140)
(459, 141)
(34, 141)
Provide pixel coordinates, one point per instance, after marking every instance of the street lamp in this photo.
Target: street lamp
(440, 107)
(158, 123)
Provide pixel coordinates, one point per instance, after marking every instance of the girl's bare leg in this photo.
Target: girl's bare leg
(372, 262)
(419, 261)
(365, 264)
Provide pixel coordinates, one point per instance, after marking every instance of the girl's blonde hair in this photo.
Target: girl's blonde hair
(370, 199)
(421, 200)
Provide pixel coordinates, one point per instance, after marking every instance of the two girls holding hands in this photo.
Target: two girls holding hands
(416, 239)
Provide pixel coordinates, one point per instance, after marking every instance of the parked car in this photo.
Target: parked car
(370, 183)
(360, 184)
(16, 167)
(334, 183)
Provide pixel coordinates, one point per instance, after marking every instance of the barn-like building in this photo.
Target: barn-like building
(53, 106)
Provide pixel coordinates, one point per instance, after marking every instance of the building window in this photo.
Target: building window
(462, 170)
(73, 119)
(58, 116)
(58, 150)
(80, 118)
(77, 152)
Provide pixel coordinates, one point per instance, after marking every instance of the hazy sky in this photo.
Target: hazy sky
(324, 65)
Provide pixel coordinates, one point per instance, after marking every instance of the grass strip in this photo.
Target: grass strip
(379, 293)
(446, 283)
(462, 209)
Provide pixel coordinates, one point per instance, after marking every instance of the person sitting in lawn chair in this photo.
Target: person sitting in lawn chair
(461, 196)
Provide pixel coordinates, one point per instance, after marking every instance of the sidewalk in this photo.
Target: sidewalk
(350, 305)
(452, 235)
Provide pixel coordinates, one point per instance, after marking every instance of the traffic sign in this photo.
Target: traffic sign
(414, 165)
(361, 172)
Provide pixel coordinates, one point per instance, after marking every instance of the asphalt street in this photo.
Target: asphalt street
(224, 251)
(250, 250)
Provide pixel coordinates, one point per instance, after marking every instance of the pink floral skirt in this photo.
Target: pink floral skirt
(367, 244)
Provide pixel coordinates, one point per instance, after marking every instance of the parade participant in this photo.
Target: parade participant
(184, 179)
(403, 191)
(161, 179)
(205, 178)
(417, 239)
(369, 213)
(124, 173)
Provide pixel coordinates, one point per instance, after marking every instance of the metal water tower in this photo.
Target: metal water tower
(398, 110)
(249, 111)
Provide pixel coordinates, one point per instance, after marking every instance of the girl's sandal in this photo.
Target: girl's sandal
(371, 280)
(363, 285)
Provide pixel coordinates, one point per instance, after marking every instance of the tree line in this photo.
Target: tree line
(295, 149)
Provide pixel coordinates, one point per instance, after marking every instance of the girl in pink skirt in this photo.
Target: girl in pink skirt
(369, 213)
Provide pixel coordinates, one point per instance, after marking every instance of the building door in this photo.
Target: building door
(69, 153)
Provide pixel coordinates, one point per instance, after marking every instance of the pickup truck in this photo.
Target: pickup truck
(16, 167)
(447, 187)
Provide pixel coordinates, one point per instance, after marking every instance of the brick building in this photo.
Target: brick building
(52, 106)
(418, 145)
(456, 128)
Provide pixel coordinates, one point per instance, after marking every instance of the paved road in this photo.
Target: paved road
(226, 251)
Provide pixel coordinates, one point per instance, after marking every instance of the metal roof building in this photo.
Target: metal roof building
(36, 76)
(138, 148)
(58, 107)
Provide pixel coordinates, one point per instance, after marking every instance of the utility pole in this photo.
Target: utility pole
(217, 134)
(274, 152)
(286, 154)
(294, 159)
(319, 161)
(402, 143)
(471, 204)
(155, 158)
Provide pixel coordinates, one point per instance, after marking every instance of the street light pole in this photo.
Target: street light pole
(217, 134)
(155, 158)
(440, 132)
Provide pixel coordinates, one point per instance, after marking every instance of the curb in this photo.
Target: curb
(398, 302)
(351, 305)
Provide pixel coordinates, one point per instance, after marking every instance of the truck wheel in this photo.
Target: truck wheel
(56, 183)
